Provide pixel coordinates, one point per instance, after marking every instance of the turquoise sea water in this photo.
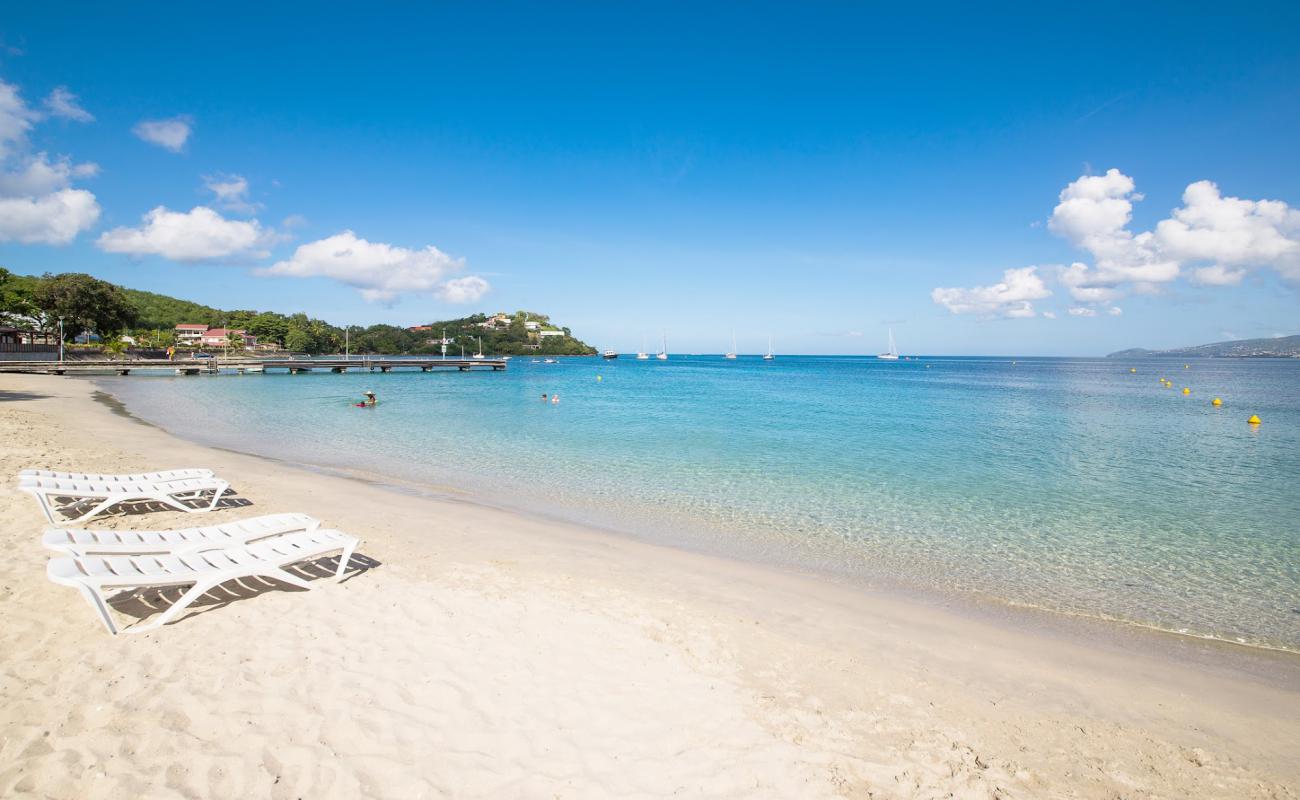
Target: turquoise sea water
(1071, 485)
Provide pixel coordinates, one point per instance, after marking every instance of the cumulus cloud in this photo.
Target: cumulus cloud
(37, 202)
(1213, 239)
(1231, 234)
(1220, 239)
(1093, 213)
(463, 290)
(231, 193)
(1081, 311)
(64, 104)
(169, 134)
(54, 218)
(380, 271)
(1012, 297)
(38, 175)
(16, 119)
(1049, 315)
(199, 234)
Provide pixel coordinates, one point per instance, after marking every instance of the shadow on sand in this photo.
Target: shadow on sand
(140, 604)
(72, 508)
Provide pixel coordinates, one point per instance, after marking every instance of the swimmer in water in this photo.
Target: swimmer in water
(368, 399)
(543, 397)
(555, 399)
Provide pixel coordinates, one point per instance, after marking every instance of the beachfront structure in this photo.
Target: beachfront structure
(220, 337)
(544, 334)
(190, 335)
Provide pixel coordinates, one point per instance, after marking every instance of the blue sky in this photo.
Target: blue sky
(815, 171)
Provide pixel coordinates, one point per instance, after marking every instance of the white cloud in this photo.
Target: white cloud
(64, 104)
(54, 218)
(294, 221)
(37, 202)
(1218, 275)
(200, 234)
(380, 271)
(1216, 240)
(169, 134)
(16, 119)
(463, 290)
(38, 175)
(1081, 311)
(1049, 315)
(1231, 234)
(1219, 238)
(1093, 213)
(231, 193)
(1010, 298)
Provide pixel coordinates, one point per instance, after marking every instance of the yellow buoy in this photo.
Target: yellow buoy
(1132, 369)
(598, 379)
(1216, 402)
(1254, 420)
(1186, 390)
(1186, 366)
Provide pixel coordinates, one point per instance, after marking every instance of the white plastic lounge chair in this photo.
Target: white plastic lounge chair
(82, 542)
(93, 576)
(111, 493)
(166, 475)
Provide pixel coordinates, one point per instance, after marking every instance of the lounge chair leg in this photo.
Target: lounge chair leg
(344, 558)
(44, 500)
(183, 602)
(103, 506)
(101, 607)
(216, 496)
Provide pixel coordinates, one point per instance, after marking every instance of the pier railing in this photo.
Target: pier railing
(251, 365)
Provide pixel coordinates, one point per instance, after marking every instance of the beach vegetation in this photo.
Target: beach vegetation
(89, 304)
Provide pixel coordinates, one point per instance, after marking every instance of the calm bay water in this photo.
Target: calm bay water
(1071, 485)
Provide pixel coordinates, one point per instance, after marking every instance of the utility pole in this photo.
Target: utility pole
(347, 344)
(60, 341)
(444, 344)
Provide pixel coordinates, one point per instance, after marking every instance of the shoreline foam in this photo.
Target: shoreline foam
(496, 654)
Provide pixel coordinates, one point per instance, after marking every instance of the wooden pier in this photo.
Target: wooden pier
(262, 365)
(368, 364)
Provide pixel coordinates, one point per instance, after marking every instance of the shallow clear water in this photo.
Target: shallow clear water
(1072, 485)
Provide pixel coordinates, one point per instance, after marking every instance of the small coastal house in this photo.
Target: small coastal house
(544, 334)
(189, 334)
(220, 337)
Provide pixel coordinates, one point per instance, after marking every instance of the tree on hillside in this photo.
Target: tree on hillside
(269, 326)
(16, 305)
(85, 303)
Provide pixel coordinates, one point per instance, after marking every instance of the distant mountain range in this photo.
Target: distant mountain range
(1280, 347)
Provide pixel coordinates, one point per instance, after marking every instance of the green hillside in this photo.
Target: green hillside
(90, 304)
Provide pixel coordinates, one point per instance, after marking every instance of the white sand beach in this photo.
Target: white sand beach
(486, 653)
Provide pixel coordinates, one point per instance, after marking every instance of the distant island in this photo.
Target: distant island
(115, 318)
(1279, 347)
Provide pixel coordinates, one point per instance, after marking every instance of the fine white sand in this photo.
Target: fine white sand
(491, 654)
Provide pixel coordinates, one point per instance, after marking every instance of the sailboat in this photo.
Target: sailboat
(731, 354)
(892, 355)
(642, 355)
(770, 356)
(662, 355)
(479, 354)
